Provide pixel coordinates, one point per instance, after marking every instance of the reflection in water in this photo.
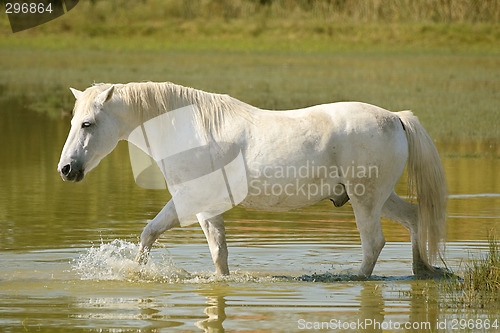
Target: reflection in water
(372, 305)
(424, 307)
(216, 312)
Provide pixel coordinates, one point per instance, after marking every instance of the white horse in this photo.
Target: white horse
(345, 151)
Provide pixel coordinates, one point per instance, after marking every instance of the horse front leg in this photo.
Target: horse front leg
(165, 220)
(215, 233)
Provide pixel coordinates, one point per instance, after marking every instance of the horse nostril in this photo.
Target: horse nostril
(66, 169)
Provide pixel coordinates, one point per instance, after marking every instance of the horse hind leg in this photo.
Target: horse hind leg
(372, 238)
(372, 243)
(406, 213)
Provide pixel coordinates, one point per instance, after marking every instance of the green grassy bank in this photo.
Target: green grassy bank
(442, 62)
(479, 283)
(282, 24)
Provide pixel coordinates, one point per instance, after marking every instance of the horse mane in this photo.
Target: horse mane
(152, 99)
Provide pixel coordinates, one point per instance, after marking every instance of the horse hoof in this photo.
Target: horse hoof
(436, 273)
(142, 257)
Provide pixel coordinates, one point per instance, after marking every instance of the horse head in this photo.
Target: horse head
(94, 132)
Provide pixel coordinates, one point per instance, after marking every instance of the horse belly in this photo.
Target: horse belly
(322, 153)
(287, 194)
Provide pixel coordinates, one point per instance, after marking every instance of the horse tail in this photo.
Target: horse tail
(427, 182)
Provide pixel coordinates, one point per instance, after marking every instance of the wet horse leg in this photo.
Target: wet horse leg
(406, 213)
(372, 238)
(216, 237)
(165, 220)
(367, 211)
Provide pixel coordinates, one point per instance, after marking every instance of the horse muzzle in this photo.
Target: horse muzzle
(71, 173)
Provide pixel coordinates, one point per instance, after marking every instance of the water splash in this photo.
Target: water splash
(115, 261)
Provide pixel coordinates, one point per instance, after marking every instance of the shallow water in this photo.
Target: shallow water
(66, 252)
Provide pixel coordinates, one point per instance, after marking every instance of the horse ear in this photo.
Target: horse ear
(106, 95)
(76, 93)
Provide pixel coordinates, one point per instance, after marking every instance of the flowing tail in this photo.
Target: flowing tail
(426, 181)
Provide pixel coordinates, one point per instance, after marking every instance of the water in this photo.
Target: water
(67, 251)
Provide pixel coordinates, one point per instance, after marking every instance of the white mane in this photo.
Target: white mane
(152, 99)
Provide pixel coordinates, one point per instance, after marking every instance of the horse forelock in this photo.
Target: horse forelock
(84, 105)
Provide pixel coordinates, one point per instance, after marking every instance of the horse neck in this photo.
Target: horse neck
(127, 120)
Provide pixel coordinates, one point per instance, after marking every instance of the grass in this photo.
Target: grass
(479, 285)
(280, 24)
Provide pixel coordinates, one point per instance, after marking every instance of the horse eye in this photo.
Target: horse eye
(86, 124)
